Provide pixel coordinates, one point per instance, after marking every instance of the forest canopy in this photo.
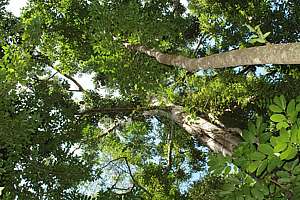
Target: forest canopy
(197, 101)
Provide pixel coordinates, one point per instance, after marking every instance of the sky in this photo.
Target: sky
(15, 6)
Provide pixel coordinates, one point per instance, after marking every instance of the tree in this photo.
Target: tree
(175, 83)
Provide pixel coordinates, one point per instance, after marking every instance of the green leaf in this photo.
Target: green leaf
(261, 40)
(275, 108)
(281, 146)
(273, 162)
(280, 101)
(228, 187)
(273, 141)
(266, 149)
(284, 180)
(296, 170)
(257, 156)
(250, 28)
(261, 167)
(257, 194)
(258, 122)
(284, 136)
(248, 136)
(283, 102)
(291, 107)
(298, 135)
(1, 189)
(282, 125)
(298, 107)
(266, 35)
(253, 166)
(289, 153)
(294, 135)
(278, 118)
(282, 174)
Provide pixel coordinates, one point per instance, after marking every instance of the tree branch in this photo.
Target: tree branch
(133, 179)
(268, 54)
(80, 88)
(117, 110)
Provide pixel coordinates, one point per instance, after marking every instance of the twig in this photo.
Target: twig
(133, 179)
(170, 141)
(109, 130)
(129, 172)
(202, 38)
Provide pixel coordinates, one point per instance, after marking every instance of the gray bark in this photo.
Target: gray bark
(218, 139)
(268, 54)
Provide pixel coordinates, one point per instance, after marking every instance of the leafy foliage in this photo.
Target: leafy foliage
(104, 144)
(267, 160)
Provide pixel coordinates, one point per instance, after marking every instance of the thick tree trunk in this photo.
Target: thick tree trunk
(268, 54)
(218, 139)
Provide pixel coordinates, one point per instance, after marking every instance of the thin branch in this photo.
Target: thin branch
(52, 75)
(109, 130)
(80, 88)
(199, 43)
(170, 146)
(111, 161)
(129, 172)
(116, 110)
(246, 69)
(74, 90)
(133, 179)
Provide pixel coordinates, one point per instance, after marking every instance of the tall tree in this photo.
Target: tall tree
(168, 84)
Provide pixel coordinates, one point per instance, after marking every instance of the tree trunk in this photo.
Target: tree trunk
(268, 54)
(217, 138)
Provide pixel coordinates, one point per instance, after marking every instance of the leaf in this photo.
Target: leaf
(250, 28)
(298, 133)
(257, 156)
(273, 162)
(228, 187)
(248, 136)
(281, 146)
(1, 189)
(280, 101)
(261, 167)
(284, 180)
(266, 35)
(257, 194)
(296, 170)
(261, 40)
(278, 118)
(298, 107)
(258, 122)
(282, 174)
(273, 141)
(288, 154)
(291, 107)
(284, 136)
(283, 102)
(266, 149)
(253, 166)
(294, 135)
(275, 108)
(282, 125)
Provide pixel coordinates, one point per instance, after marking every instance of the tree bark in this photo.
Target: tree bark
(218, 139)
(268, 54)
